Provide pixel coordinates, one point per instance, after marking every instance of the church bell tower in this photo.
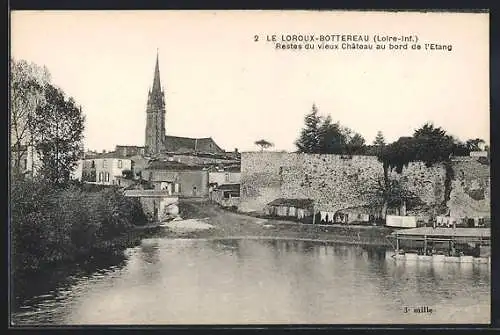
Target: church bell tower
(155, 115)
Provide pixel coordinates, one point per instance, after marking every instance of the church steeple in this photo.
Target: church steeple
(156, 81)
(155, 122)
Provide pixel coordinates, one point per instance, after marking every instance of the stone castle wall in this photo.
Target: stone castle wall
(471, 191)
(427, 183)
(332, 181)
(336, 182)
(260, 178)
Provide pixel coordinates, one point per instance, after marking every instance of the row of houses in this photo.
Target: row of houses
(167, 174)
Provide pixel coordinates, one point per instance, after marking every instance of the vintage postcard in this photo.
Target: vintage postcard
(249, 168)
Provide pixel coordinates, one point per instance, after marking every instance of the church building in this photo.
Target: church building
(157, 142)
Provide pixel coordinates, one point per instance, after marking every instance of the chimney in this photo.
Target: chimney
(235, 150)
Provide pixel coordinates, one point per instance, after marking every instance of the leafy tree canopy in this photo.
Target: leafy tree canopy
(263, 144)
(429, 144)
(321, 135)
(59, 124)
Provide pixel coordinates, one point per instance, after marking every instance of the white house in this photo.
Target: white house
(105, 169)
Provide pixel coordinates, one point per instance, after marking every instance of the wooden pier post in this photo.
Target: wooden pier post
(314, 214)
(425, 244)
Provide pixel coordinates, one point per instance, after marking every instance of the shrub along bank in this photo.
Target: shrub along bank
(53, 224)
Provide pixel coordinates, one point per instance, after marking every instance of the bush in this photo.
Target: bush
(52, 224)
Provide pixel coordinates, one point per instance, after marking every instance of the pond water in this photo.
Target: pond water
(194, 281)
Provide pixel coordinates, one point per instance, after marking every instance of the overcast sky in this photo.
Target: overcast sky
(219, 82)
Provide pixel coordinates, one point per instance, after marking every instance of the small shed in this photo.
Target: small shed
(226, 195)
(358, 214)
(227, 190)
(291, 208)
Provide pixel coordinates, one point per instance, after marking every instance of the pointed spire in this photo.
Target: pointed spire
(156, 81)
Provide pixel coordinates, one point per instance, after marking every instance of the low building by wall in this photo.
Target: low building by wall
(297, 209)
(226, 195)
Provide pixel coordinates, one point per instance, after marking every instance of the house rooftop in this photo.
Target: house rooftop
(187, 144)
(171, 165)
(229, 187)
(111, 154)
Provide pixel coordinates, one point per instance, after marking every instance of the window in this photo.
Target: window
(119, 163)
(93, 165)
(100, 176)
(227, 177)
(25, 163)
(107, 176)
(104, 163)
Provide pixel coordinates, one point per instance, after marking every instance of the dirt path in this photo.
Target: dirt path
(234, 225)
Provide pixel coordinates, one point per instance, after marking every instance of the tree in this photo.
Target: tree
(263, 144)
(356, 145)
(429, 144)
(392, 193)
(321, 136)
(428, 130)
(59, 123)
(432, 145)
(27, 94)
(460, 148)
(331, 139)
(308, 141)
(474, 144)
(379, 139)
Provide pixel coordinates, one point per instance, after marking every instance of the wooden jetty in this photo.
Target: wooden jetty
(458, 245)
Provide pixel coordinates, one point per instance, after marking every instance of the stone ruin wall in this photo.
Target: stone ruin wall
(260, 179)
(332, 181)
(335, 182)
(427, 183)
(471, 190)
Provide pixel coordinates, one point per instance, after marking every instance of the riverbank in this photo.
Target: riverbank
(54, 224)
(233, 225)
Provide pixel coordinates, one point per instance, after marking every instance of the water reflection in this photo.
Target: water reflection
(184, 281)
(150, 252)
